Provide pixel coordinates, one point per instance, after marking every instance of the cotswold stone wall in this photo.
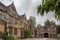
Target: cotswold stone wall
(46, 31)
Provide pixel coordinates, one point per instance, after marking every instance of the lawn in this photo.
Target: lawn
(57, 38)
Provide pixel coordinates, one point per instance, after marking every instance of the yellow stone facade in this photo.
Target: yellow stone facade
(1, 28)
(15, 25)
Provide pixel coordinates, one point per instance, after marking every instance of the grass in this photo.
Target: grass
(57, 38)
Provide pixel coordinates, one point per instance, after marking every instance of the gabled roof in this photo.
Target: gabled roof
(22, 16)
(7, 8)
(14, 9)
(2, 7)
(12, 6)
(2, 4)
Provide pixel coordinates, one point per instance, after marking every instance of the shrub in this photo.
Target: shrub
(27, 34)
(10, 38)
(58, 29)
(1, 35)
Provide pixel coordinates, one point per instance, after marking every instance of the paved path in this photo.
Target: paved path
(38, 39)
(1, 39)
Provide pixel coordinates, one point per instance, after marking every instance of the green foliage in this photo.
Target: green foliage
(57, 38)
(32, 21)
(1, 35)
(10, 38)
(27, 33)
(47, 22)
(50, 5)
(58, 29)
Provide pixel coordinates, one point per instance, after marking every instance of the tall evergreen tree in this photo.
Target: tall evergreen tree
(32, 21)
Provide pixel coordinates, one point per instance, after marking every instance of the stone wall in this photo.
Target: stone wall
(46, 31)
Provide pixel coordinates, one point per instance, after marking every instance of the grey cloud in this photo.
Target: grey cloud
(28, 7)
(31, 11)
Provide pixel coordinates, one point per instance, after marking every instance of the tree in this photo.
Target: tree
(50, 5)
(27, 33)
(47, 22)
(32, 24)
(58, 29)
(32, 21)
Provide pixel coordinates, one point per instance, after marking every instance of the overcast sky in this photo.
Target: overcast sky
(29, 8)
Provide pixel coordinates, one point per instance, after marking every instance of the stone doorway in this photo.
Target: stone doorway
(45, 35)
